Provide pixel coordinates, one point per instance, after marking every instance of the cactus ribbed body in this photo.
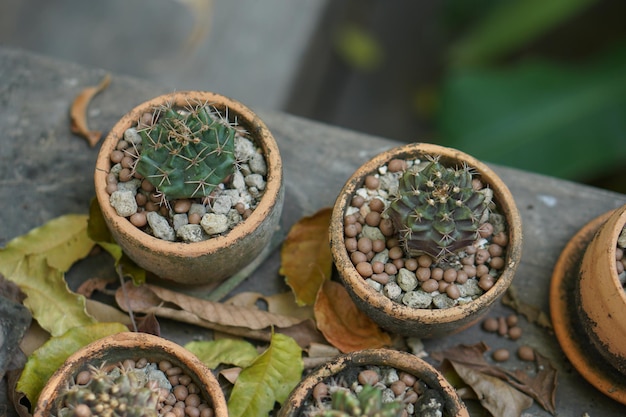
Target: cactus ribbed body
(367, 403)
(186, 153)
(437, 211)
(128, 394)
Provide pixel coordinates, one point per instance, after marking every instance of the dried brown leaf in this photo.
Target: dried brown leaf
(78, 112)
(343, 324)
(532, 313)
(147, 298)
(148, 324)
(498, 397)
(283, 303)
(231, 374)
(306, 261)
(88, 287)
(541, 386)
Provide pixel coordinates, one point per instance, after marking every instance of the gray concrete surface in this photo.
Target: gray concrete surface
(247, 49)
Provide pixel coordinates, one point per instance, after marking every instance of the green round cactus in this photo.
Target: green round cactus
(120, 392)
(186, 153)
(437, 211)
(367, 403)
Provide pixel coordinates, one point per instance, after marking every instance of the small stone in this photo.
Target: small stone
(197, 208)
(255, 181)
(417, 299)
(160, 227)
(257, 164)
(222, 204)
(238, 181)
(443, 301)
(375, 285)
(234, 218)
(381, 257)
(469, 289)
(214, 224)
(180, 220)
(124, 203)
(190, 233)
(389, 376)
(392, 290)
(373, 233)
(131, 185)
(406, 280)
(132, 136)
(244, 149)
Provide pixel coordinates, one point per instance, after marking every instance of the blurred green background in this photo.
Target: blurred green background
(533, 84)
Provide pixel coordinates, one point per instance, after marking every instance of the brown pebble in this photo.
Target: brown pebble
(515, 332)
(364, 244)
(378, 267)
(372, 218)
(349, 242)
(139, 219)
(125, 175)
(485, 230)
(320, 391)
(116, 156)
(369, 377)
(423, 274)
(378, 245)
(111, 188)
(386, 227)
(503, 328)
(410, 264)
(453, 291)
(430, 285)
(482, 255)
(382, 278)
(495, 250)
(390, 268)
(351, 230)
(377, 205)
(372, 182)
(501, 355)
(512, 320)
(490, 324)
(182, 206)
(357, 201)
(496, 263)
(396, 253)
(526, 353)
(357, 257)
(500, 239)
(364, 269)
(396, 165)
(449, 275)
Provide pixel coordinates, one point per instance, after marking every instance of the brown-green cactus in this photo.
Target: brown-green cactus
(367, 403)
(186, 152)
(437, 211)
(118, 392)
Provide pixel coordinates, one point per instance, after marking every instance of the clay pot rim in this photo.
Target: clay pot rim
(579, 350)
(245, 117)
(132, 340)
(506, 206)
(381, 357)
(610, 255)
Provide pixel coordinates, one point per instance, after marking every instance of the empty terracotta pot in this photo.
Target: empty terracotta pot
(295, 405)
(424, 322)
(127, 345)
(588, 304)
(213, 260)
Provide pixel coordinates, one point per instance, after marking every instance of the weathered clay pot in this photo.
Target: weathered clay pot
(453, 405)
(118, 347)
(396, 317)
(215, 259)
(588, 305)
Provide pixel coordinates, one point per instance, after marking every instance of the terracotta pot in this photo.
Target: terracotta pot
(215, 259)
(127, 345)
(396, 317)
(588, 305)
(294, 406)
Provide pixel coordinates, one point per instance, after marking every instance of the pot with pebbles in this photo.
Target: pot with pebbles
(132, 374)
(588, 303)
(190, 185)
(374, 382)
(425, 239)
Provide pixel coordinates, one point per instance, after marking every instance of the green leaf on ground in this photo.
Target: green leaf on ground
(223, 351)
(269, 379)
(553, 119)
(51, 355)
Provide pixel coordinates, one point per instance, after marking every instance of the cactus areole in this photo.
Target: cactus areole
(437, 211)
(186, 152)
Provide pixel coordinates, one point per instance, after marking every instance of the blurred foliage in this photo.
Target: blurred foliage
(534, 85)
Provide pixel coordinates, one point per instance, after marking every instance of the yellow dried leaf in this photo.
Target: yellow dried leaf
(343, 324)
(306, 261)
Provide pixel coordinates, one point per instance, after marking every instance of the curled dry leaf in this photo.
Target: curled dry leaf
(306, 261)
(532, 313)
(541, 384)
(343, 324)
(246, 322)
(78, 112)
(282, 303)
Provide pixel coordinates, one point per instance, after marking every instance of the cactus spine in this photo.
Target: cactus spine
(186, 153)
(437, 211)
(367, 403)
